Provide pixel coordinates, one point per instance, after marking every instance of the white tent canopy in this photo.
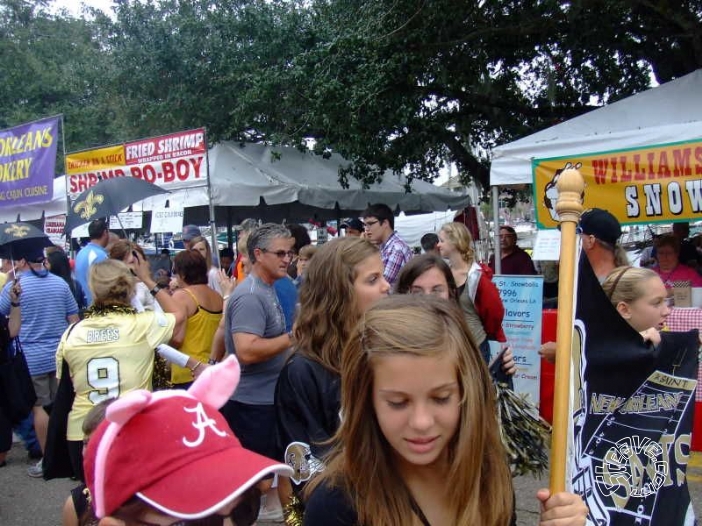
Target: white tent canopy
(412, 228)
(668, 113)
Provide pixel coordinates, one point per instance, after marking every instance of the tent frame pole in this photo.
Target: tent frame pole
(496, 227)
(210, 206)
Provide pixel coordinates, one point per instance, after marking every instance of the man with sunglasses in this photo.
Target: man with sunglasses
(255, 332)
(379, 225)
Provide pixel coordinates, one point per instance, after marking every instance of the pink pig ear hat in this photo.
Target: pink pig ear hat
(173, 450)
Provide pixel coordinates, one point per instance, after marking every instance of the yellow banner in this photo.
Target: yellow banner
(99, 158)
(661, 183)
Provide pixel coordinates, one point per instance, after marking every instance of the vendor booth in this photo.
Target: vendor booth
(664, 124)
(273, 184)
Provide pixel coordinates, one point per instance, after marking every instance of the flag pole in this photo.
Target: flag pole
(569, 207)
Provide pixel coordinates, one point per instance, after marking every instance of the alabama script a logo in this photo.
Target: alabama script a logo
(201, 423)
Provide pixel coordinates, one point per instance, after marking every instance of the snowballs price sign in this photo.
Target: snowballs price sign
(522, 298)
(171, 161)
(661, 183)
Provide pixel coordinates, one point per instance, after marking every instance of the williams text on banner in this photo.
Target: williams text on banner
(661, 183)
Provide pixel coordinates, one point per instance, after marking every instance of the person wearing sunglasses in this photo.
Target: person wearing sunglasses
(193, 471)
(255, 332)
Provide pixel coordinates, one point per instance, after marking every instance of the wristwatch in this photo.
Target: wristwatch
(12, 303)
(155, 290)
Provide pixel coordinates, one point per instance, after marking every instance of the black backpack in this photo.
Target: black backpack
(17, 394)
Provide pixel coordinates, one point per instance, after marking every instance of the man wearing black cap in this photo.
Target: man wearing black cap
(353, 226)
(46, 306)
(600, 232)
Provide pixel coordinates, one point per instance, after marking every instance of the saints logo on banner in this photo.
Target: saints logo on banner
(632, 417)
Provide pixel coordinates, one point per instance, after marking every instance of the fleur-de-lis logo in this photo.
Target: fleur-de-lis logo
(87, 208)
(17, 231)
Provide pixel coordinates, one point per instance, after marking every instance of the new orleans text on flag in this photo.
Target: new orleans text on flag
(632, 417)
(27, 162)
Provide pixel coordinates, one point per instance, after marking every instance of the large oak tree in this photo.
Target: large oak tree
(401, 85)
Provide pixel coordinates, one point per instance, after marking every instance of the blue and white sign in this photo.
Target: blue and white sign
(522, 297)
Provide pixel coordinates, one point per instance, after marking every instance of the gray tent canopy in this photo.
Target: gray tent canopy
(274, 183)
(277, 183)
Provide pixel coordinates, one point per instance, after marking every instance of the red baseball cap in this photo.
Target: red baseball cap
(173, 450)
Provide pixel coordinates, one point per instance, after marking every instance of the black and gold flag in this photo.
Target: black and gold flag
(632, 416)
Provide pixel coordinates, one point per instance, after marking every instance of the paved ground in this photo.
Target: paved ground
(25, 501)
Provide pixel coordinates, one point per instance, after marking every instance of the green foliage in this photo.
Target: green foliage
(401, 86)
(53, 64)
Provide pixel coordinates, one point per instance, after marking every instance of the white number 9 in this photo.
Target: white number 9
(103, 377)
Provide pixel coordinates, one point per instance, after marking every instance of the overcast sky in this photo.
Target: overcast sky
(75, 6)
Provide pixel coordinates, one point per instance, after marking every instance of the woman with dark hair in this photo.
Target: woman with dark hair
(58, 264)
(427, 274)
(430, 275)
(669, 267)
(302, 239)
(202, 308)
(201, 245)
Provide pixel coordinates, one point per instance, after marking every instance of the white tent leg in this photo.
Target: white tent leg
(495, 198)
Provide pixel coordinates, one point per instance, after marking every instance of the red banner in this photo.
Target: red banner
(172, 161)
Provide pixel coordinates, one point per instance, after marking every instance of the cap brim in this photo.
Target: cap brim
(203, 487)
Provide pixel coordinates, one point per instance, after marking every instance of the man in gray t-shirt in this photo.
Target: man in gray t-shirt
(254, 309)
(255, 333)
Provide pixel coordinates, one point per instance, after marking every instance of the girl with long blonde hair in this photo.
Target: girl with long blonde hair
(419, 442)
(477, 294)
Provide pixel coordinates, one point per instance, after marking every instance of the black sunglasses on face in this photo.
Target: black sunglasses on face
(280, 254)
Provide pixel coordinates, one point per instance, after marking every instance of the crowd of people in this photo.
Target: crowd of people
(348, 381)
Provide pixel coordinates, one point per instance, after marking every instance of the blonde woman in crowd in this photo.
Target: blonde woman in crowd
(477, 294)
(111, 351)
